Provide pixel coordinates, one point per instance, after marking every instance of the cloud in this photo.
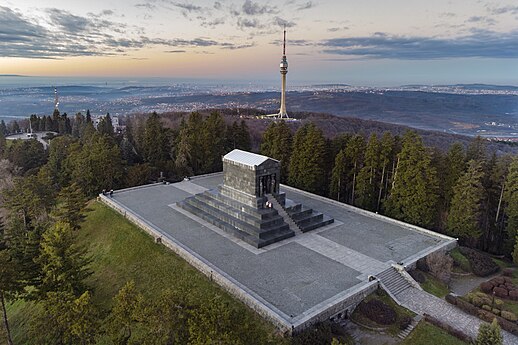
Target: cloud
(253, 9)
(481, 19)
(147, 6)
(335, 29)
(72, 35)
(239, 46)
(306, 6)
(503, 9)
(283, 22)
(187, 6)
(249, 23)
(175, 51)
(67, 21)
(479, 44)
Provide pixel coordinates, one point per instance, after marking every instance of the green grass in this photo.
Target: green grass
(122, 252)
(428, 334)
(434, 286)
(385, 298)
(460, 260)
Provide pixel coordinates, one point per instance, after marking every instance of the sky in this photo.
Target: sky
(358, 42)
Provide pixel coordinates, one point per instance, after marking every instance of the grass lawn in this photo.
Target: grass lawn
(428, 334)
(460, 260)
(122, 252)
(434, 286)
(385, 298)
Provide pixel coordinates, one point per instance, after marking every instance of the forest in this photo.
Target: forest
(466, 191)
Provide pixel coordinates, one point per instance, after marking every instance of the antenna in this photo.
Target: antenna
(284, 43)
(56, 98)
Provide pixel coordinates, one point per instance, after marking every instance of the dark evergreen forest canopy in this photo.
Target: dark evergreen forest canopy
(465, 190)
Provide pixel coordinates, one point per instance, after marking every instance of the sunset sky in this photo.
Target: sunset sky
(362, 42)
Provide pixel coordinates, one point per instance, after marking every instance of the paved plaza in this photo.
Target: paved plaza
(296, 278)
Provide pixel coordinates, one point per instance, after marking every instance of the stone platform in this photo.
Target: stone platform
(296, 281)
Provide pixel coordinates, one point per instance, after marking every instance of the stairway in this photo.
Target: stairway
(393, 281)
(404, 333)
(282, 212)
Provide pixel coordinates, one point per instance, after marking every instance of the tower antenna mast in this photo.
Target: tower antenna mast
(56, 99)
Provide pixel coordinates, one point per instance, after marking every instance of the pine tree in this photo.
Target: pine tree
(66, 319)
(465, 210)
(3, 143)
(70, 206)
(354, 154)
(277, 144)
(414, 194)
(511, 200)
(307, 163)
(213, 323)
(477, 149)
(213, 143)
(456, 164)
(368, 178)
(64, 263)
(387, 153)
(9, 280)
(88, 116)
(339, 178)
(489, 334)
(126, 314)
(3, 127)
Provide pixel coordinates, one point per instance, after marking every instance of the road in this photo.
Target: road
(23, 136)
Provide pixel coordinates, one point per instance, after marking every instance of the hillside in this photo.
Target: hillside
(122, 252)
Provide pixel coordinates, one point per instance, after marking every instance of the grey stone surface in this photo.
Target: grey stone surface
(311, 275)
(422, 302)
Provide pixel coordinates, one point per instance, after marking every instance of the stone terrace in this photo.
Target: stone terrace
(293, 282)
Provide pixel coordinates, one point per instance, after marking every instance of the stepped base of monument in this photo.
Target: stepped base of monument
(258, 226)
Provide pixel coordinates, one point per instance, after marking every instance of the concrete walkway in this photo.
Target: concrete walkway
(422, 302)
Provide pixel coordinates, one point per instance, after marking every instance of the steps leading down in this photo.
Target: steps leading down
(393, 281)
(282, 212)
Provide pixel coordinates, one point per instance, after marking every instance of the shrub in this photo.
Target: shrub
(496, 311)
(508, 272)
(481, 264)
(501, 292)
(486, 307)
(404, 322)
(508, 315)
(513, 294)
(440, 265)
(422, 265)
(418, 276)
(487, 287)
(451, 299)
(378, 312)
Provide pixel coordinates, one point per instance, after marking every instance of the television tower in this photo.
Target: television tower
(284, 70)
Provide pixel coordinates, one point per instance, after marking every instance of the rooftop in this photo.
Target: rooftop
(246, 158)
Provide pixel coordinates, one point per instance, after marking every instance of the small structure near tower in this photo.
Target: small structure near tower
(283, 114)
(250, 205)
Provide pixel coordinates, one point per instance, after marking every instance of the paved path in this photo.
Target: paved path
(346, 256)
(422, 302)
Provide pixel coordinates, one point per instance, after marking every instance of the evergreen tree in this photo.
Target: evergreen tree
(308, 160)
(414, 194)
(70, 206)
(368, 178)
(238, 137)
(3, 127)
(156, 142)
(183, 152)
(15, 128)
(78, 125)
(9, 281)
(477, 149)
(64, 263)
(105, 125)
(26, 154)
(465, 210)
(66, 319)
(126, 314)
(213, 143)
(166, 319)
(213, 323)
(511, 200)
(277, 144)
(456, 166)
(88, 116)
(387, 153)
(354, 154)
(97, 166)
(3, 143)
(339, 178)
(489, 334)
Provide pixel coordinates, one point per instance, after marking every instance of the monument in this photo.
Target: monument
(249, 204)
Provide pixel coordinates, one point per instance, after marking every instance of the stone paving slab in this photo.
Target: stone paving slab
(422, 302)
